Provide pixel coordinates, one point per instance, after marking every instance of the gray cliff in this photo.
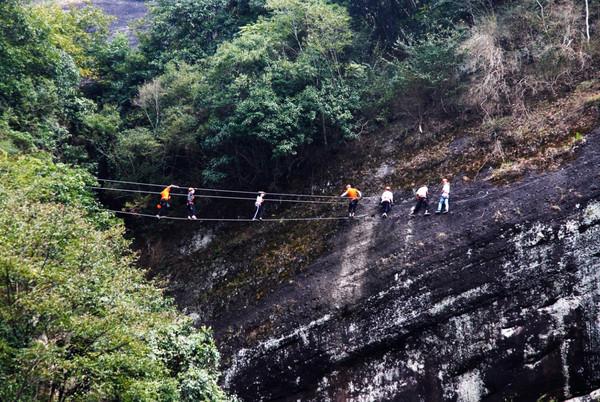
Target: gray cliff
(498, 300)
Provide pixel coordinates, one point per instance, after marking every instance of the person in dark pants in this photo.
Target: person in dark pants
(422, 194)
(165, 201)
(191, 208)
(259, 204)
(387, 199)
(353, 195)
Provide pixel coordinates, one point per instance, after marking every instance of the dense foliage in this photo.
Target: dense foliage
(190, 30)
(236, 92)
(257, 106)
(78, 321)
(250, 92)
(45, 53)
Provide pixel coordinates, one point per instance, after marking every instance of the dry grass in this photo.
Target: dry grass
(511, 146)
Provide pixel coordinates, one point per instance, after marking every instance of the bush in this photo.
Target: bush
(525, 53)
(427, 80)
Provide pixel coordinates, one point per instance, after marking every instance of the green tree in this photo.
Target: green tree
(190, 30)
(427, 81)
(259, 107)
(78, 321)
(45, 51)
(384, 22)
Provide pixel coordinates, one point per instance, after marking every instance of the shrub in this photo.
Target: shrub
(78, 321)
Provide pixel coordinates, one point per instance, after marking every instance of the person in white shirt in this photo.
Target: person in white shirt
(387, 199)
(260, 199)
(190, 204)
(422, 194)
(444, 197)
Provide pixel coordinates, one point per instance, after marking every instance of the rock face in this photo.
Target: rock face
(125, 13)
(498, 300)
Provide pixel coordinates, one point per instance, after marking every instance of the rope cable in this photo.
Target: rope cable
(332, 202)
(236, 219)
(219, 190)
(335, 200)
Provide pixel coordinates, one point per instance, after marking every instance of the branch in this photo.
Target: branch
(587, 20)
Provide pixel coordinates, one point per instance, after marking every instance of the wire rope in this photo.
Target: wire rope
(236, 219)
(332, 202)
(218, 190)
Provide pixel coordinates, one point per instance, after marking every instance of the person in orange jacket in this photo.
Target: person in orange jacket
(354, 195)
(165, 201)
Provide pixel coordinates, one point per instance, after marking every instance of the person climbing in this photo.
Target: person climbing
(387, 200)
(353, 194)
(191, 207)
(444, 197)
(165, 199)
(422, 194)
(260, 199)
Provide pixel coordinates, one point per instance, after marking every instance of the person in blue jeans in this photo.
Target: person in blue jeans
(444, 198)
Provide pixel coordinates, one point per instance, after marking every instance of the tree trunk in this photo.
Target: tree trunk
(323, 128)
(587, 20)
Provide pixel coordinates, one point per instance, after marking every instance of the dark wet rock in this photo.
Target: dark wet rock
(497, 301)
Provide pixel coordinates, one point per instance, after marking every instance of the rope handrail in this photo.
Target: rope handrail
(236, 219)
(332, 202)
(218, 190)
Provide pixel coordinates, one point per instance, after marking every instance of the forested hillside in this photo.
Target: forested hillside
(286, 96)
(253, 93)
(78, 319)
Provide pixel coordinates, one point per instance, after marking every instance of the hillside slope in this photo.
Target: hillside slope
(497, 300)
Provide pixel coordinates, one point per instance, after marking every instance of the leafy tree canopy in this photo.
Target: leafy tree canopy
(283, 85)
(45, 52)
(189, 30)
(78, 321)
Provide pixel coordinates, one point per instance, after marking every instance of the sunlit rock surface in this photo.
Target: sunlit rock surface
(125, 12)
